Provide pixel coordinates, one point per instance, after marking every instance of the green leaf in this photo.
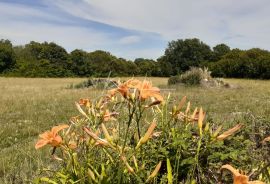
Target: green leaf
(169, 172)
(47, 180)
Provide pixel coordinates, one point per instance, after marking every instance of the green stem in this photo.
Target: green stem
(138, 118)
(197, 154)
(131, 113)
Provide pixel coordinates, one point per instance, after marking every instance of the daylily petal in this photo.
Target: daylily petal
(58, 128)
(45, 135)
(112, 92)
(234, 171)
(256, 182)
(133, 83)
(57, 140)
(157, 96)
(41, 143)
(239, 178)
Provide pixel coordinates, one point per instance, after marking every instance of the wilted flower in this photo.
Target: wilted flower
(129, 168)
(98, 140)
(107, 116)
(266, 139)
(74, 119)
(156, 134)
(51, 137)
(229, 132)
(72, 145)
(239, 178)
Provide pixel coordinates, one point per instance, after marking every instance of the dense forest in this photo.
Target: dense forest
(52, 60)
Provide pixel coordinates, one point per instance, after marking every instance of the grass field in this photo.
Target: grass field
(30, 106)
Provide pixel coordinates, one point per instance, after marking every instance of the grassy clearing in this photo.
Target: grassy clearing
(30, 106)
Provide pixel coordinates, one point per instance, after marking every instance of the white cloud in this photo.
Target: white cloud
(236, 23)
(69, 37)
(22, 24)
(210, 20)
(129, 40)
(22, 30)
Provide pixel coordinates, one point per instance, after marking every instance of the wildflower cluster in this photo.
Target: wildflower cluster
(132, 135)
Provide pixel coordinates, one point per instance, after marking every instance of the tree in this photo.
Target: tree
(81, 65)
(253, 63)
(56, 55)
(7, 56)
(219, 51)
(146, 67)
(182, 54)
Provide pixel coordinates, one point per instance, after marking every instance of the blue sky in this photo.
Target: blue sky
(135, 28)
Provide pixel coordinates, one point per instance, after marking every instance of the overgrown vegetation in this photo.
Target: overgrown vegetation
(32, 106)
(51, 60)
(133, 135)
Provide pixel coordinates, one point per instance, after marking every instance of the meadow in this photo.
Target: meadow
(30, 106)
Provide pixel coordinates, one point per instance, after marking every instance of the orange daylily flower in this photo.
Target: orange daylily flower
(146, 90)
(239, 178)
(85, 102)
(133, 83)
(123, 89)
(51, 137)
(229, 132)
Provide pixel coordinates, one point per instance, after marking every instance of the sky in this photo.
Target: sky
(135, 28)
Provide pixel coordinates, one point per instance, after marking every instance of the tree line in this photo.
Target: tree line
(51, 60)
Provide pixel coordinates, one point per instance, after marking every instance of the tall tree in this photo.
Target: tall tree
(182, 54)
(147, 67)
(81, 65)
(219, 51)
(7, 56)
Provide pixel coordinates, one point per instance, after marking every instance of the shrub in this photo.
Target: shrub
(96, 83)
(194, 76)
(132, 135)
